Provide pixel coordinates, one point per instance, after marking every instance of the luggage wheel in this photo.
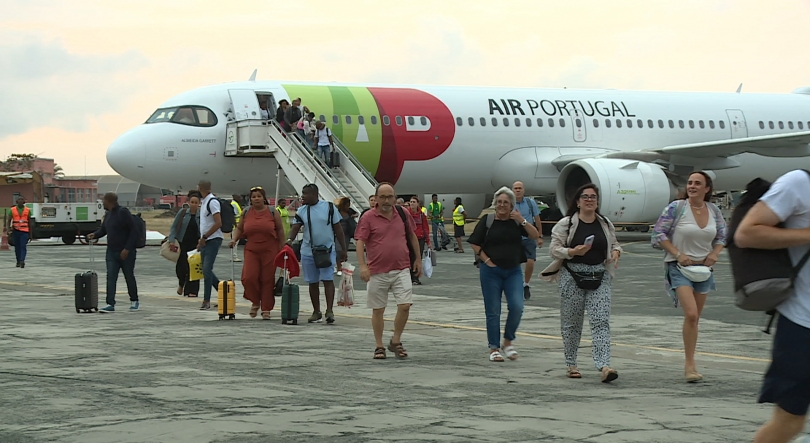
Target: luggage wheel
(78, 311)
(283, 322)
(232, 317)
(295, 322)
(222, 317)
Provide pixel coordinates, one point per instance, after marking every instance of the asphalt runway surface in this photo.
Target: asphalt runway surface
(172, 373)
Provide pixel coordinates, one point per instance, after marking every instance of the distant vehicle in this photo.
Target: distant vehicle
(65, 220)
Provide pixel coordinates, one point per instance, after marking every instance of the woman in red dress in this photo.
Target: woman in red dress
(261, 225)
(422, 231)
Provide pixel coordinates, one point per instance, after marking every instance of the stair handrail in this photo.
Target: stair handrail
(323, 170)
(348, 154)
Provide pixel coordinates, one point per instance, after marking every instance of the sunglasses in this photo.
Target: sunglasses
(256, 188)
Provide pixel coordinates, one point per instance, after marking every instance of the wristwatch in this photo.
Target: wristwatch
(524, 222)
(205, 237)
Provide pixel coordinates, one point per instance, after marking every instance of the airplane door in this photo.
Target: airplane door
(578, 123)
(245, 104)
(736, 120)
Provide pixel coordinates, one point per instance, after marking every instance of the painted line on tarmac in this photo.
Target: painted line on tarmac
(439, 325)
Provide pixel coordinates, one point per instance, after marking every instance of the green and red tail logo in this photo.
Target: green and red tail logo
(383, 127)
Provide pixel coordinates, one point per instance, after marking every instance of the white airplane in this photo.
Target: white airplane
(638, 147)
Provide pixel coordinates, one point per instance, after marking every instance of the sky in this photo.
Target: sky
(76, 74)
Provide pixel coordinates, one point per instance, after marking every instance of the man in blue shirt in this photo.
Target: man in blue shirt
(320, 221)
(528, 209)
(119, 227)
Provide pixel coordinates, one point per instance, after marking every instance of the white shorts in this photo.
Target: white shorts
(397, 282)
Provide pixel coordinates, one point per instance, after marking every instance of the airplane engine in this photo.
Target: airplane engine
(630, 191)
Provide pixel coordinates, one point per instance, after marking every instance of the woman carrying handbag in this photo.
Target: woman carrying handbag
(186, 231)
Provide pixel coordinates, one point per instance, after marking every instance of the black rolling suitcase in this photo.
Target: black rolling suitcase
(335, 159)
(87, 288)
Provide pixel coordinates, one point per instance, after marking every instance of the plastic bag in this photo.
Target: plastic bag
(194, 266)
(346, 289)
(427, 264)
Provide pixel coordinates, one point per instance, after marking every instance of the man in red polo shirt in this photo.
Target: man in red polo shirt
(384, 234)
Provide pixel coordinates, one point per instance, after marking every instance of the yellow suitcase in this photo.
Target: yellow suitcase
(226, 297)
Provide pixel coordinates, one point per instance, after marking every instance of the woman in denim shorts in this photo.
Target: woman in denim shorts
(693, 233)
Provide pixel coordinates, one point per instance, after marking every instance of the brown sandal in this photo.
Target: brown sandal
(608, 375)
(379, 354)
(266, 315)
(573, 372)
(397, 349)
(253, 310)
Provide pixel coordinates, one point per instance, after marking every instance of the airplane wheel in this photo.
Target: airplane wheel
(69, 239)
(645, 228)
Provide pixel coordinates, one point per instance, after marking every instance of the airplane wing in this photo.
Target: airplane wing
(713, 154)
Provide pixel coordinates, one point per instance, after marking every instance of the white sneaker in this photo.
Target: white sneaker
(237, 260)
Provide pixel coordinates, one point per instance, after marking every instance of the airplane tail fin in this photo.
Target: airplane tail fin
(253, 76)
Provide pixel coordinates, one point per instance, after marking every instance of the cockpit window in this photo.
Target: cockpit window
(185, 115)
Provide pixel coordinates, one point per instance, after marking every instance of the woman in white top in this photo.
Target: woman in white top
(693, 233)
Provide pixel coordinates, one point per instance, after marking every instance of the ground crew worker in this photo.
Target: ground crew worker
(459, 217)
(435, 213)
(236, 204)
(285, 215)
(18, 225)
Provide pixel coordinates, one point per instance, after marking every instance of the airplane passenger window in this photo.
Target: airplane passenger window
(399, 121)
(494, 121)
(423, 121)
(770, 125)
(551, 123)
(722, 124)
(761, 124)
(361, 120)
(711, 124)
(691, 124)
(790, 125)
(335, 119)
(386, 120)
(639, 123)
(483, 121)
(701, 124)
(781, 125)
(322, 118)
(596, 123)
(471, 121)
(578, 122)
(373, 119)
(629, 123)
(411, 121)
(540, 123)
(671, 125)
(517, 121)
(348, 119)
(680, 124)
(801, 125)
(529, 122)
(607, 123)
(661, 124)
(618, 123)
(505, 121)
(562, 122)
(458, 121)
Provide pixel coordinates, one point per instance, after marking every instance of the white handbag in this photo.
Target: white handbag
(697, 273)
(167, 253)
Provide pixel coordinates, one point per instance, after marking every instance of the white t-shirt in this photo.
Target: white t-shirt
(787, 198)
(206, 219)
(323, 136)
(690, 240)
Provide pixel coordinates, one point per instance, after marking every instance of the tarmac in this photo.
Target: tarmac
(172, 373)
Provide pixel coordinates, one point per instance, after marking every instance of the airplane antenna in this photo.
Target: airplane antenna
(253, 76)
(739, 88)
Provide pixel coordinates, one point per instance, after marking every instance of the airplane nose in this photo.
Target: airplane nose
(126, 154)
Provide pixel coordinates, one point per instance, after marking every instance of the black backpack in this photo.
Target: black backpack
(139, 224)
(763, 278)
(228, 217)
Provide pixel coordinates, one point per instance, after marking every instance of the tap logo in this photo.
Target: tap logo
(382, 127)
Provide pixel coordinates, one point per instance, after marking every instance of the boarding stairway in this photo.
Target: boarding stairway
(261, 138)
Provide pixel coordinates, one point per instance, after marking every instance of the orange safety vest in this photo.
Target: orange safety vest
(19, 223)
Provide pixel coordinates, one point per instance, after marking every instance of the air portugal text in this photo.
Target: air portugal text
(510, 106)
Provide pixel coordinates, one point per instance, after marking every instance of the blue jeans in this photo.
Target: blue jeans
(115, 264)
(436, 237)
(20, 240)
(324, 152)
(209, 256)
(494, 282)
